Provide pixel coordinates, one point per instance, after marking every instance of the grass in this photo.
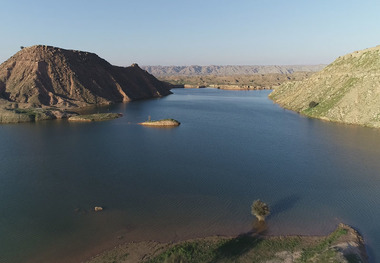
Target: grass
(324, 106)
(35, 114)
(247, 248)
(30, 112)
(244, 248)
(322, 251)
(202, 251)
(96, 117)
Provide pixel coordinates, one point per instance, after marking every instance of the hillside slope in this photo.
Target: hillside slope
(47, 76)
(346, 91)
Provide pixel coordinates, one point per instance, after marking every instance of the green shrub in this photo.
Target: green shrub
(260, 209)
(313, 104)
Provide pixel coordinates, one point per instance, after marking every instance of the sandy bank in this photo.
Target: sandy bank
(343, 245)
(161, 123)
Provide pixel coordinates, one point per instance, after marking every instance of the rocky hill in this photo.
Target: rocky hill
(39, 82)
(162, 71)
(347, 91)
(49, 76)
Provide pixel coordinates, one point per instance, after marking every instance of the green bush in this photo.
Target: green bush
(260, 209)
(313, 104)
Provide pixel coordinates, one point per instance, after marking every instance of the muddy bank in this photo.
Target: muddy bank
(344, 244)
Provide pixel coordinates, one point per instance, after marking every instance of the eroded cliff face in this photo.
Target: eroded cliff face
(346, 91)
(40, 76)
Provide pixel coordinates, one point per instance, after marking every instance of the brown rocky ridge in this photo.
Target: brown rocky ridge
(228, 70)
(40, 82)
(235, 82)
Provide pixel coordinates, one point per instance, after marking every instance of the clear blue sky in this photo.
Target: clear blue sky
(198, 32)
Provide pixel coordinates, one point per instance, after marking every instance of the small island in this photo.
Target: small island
(96, 117)
(161, 123)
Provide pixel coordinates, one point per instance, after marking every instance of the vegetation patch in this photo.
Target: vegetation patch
(313, 104)
(343, 245)
(324, 106)
(200, 251)
(245, 248)
(323, 251)
(96, 117)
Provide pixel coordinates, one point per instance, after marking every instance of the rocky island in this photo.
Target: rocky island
(45, 82)
(161, 123)
(346, 91)
(95, 117)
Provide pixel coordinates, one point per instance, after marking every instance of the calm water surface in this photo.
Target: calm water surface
(195, 180)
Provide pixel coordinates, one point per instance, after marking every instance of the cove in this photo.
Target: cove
(195, 180)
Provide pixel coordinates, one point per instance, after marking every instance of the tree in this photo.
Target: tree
(313, 104)
(260, 210)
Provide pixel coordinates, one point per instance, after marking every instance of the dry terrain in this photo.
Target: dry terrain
(346, 91)
(235, 82)
(343, 245)
(43, 81)
(216, 70)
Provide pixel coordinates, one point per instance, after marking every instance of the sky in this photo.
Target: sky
(197, 32)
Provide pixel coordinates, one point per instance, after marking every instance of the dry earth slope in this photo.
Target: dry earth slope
(45, 75)
(39, 82)
(346, 91)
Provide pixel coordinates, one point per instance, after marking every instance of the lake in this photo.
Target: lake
(196, 180)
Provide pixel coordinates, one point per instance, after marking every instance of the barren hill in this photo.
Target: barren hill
(347, 90)
(47, 76)
(163, 71)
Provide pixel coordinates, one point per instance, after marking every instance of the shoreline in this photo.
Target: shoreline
(343, 244)
(223, 87)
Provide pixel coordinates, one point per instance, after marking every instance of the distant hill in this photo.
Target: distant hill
(347, 90)
(48, 76)
(162, 71)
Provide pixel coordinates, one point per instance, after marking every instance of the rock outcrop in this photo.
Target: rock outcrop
(40, 76)
(346, 91)
(161, 123)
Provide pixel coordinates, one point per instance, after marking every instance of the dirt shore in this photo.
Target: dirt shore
(343, 245)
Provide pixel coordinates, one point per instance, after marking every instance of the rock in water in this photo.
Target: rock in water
(40, 76)
(346, 91)
(98, 208)
(161, 123)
